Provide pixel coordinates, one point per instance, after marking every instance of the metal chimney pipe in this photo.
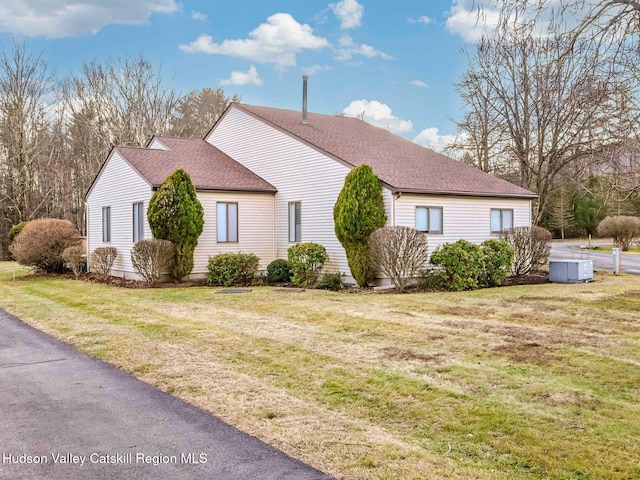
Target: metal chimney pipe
(304, 98)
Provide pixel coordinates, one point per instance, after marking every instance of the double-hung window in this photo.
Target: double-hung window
(227, 222)
(295, 222)
(106, 224)
(138, 222)
(429, 219)
(501, 220)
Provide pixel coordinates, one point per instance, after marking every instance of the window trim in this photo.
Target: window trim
(297, 226)
(138, 230)
(226, 204)
(106, 238)
(429, 208)
(501, 210)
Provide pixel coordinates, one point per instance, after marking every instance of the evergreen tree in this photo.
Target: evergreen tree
(358, 212)
(175, 214)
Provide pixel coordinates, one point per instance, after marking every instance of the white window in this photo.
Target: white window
(227, 222)
(106, 224)
(429, 219)
(138, 222)
(295, 222)
(501, 220)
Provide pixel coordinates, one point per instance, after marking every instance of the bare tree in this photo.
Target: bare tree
(199, 110)
(550, 109)
(25, 137)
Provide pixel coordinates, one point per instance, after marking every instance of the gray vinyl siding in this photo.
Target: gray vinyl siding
(300, 173)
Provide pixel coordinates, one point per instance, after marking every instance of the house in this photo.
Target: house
(268, 178)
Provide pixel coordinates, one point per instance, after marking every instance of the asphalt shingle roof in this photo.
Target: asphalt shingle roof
(208, 167)
(403, 165)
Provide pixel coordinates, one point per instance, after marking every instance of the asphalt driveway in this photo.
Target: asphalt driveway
(64, 415)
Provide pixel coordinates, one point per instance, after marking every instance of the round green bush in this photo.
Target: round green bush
(306, 260)
(279, 271)
(461, 263)
(497, 260)
(331, 281)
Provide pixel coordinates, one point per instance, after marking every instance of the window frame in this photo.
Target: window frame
(502, 229)
(297, 221)
(106, 232)
(227, 223)
(428, 208)
(138, 221)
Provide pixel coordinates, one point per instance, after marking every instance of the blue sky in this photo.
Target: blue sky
(395, 61)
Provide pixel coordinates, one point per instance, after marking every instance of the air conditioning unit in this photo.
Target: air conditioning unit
(570, 271)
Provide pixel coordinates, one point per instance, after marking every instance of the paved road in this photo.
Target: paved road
(601, 261)
(56, 402)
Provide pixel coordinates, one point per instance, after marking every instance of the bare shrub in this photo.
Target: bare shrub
(41, 242)
(74, 256)
(400, 253)
(102, 260)
(152, 258)
(531, 245)
(622, 228)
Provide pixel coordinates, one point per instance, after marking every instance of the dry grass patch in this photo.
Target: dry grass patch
(522, 382)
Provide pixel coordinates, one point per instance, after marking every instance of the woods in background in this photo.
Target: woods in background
(552, 104)
(55, 134)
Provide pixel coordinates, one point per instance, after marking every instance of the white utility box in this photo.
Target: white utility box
(570, 271)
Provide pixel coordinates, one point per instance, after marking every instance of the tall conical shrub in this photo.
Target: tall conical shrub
(358, 212)
(175, 214)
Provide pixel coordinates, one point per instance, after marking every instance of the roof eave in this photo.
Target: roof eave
(528, 196)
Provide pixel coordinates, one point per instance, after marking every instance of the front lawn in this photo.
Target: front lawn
(527, 382)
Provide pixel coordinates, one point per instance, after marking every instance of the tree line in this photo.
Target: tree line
(551, 100)
(56, 133)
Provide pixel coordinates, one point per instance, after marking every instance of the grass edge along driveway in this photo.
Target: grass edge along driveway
(520, 382)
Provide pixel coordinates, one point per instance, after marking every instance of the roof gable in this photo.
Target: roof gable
(402, 165)
(208, 167)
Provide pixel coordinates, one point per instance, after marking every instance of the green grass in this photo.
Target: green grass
(530, 382)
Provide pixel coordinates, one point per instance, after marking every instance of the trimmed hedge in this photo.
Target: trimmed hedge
(279, 271)
(229, 269)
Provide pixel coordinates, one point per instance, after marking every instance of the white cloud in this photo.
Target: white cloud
(418, 83)
(313, 69)
(277, 41)
(378, 114)
(465, 20)
(423, 19)
(348, 48)
(249, 77)
(431, 138)
(68, 18)
(198, 15)
(349, 12)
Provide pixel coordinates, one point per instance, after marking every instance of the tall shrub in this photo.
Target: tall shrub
(531, 245)
(622, 228)
(41, 242)
(358, 212)
(175, 214)
(400, 253)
